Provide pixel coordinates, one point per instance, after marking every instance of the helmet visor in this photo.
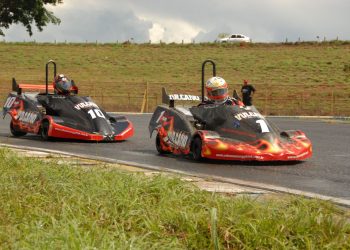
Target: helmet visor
(64, 86)
(219, 92)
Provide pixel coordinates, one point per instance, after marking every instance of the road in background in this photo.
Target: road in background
(326, 173)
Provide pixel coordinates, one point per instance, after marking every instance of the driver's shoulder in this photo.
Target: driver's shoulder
(205, 103)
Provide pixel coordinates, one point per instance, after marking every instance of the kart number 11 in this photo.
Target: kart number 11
(96, 113)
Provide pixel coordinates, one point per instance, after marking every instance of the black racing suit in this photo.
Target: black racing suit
(246, 94)
(229, 101)
(207, 110)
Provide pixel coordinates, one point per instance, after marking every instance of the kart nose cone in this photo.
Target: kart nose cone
(218, 149)
(107, 136)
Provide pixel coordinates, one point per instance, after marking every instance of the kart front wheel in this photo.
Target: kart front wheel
(16, 132)
(159, 146)
(196, 149)
(44, 130)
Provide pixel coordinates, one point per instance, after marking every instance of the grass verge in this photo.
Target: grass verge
(50, 206)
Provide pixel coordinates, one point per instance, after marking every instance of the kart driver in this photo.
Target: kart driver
(217, 92)
(217, 99)
(64, 86)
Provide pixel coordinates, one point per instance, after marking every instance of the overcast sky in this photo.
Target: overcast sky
(199, 20)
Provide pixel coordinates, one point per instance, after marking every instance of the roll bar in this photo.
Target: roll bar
(203, 69)
(47, 73)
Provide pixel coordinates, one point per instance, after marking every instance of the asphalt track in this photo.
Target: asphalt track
(327, 173)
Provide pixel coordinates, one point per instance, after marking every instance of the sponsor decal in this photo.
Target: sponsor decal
(180, 97)
(28, 117)
(211, 106)
(240, 156)
(247, 115)
(178, 138)
(236, 124)
(84, 105)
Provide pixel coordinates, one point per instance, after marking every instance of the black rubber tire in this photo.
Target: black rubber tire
(15, 132)
(44, 130)
(196, 149)
(158, 146)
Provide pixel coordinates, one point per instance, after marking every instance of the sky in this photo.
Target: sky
(168, 21)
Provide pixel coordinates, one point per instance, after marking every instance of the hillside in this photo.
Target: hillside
(302, 74)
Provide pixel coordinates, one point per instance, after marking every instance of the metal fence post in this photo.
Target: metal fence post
(143, 106)
(265, 105)
(301, 101)
(128, 101)
(147, 96)
(332, 104)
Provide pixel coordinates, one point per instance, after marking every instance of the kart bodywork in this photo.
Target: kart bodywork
(224, 132)
(61, 116)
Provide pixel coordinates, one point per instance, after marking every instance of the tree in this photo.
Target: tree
(27, 12)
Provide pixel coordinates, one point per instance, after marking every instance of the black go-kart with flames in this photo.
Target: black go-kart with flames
(61, 116)
(223, 132)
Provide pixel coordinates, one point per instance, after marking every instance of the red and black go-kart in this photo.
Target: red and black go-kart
(61, 116)
(224, 132)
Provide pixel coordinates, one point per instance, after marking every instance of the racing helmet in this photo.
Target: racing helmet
(62, 85)
(216, 88)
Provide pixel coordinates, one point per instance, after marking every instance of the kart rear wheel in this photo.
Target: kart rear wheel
(44, 130)
(159, 146)
(16, 132)
(196, 149)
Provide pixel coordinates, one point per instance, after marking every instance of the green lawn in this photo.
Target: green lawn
(44, 205)
(290, 78)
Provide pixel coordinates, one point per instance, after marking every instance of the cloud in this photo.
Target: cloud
(171, 30)
(202, 20)
(268, 20)
(156, 33)
(88, 23)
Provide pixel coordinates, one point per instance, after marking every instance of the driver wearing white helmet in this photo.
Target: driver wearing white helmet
(217, 92)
